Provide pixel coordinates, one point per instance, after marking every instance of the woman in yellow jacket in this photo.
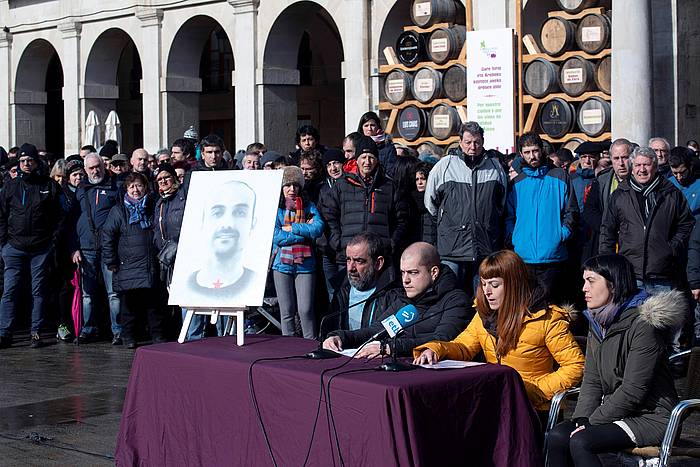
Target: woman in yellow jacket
(512, 329)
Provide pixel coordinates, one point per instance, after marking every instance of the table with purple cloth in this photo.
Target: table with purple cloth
(189, 404)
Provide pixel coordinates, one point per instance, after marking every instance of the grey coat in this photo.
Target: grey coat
(626, 376)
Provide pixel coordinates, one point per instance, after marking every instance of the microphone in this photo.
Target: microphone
(405, 317)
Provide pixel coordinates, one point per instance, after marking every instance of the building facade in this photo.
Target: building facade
(253, 70)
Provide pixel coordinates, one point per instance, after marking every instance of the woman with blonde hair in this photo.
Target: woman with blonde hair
(513, 326)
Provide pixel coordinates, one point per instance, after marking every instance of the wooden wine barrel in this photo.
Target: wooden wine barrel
(444, 122)
(410, 48)
(425, 13)
(557, 117)
(445, 44)
(593, 33)
(541, 78)
(411, 123)
(576, 6)
(602, 75)
(427, 85)
(572, 144)
(576, 76)
(594, 116)
(557, 36)
(397, 86)
(454, 82)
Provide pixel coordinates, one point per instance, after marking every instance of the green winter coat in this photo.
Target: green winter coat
(626, 376)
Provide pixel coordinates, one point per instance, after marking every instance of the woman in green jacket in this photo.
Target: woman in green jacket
(627, 393)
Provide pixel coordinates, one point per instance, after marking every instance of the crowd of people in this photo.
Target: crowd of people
(488, 247)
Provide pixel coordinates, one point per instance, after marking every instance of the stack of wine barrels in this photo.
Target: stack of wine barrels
(422, 52)
(574, 76)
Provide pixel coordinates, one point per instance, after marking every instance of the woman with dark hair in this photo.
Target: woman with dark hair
(129, 252)
(405, 182)
(428, 225)
(514, 327)
(306, 139)
(297, 225)
(627, 393)
(371, 126)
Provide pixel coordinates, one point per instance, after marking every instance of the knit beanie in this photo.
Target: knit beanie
(293, 174)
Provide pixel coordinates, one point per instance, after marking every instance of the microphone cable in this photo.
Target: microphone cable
(254, 399)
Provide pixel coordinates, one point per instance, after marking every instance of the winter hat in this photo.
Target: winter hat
(74, 157)
(165, 167)
(120, 158)
(72, 166)
(28, 150)
(270, 156)
(293, 174)
(191, 133)
(109, 149)
(589, 147)
(366, 144)
(333, 154)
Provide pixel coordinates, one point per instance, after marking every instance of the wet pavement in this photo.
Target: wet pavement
(61, 404)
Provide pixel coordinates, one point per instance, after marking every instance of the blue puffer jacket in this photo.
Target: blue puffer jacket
(580, 180)
(301, 233)
(541, 214)
(692, 195)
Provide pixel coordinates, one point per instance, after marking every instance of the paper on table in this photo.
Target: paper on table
(446, 364)
(351, 352)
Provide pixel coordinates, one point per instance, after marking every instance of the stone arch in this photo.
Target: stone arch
(302, 75)
(199, 81)
(37, 99)
(112, 81)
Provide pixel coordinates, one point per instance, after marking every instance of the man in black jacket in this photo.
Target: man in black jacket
(365, 202)
(649, 219)
(30, 215)
(432, 289)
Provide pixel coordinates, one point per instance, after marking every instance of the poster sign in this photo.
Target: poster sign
(491, 85)
(226, 239)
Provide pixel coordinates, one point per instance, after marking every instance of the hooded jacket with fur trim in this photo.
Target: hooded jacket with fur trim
(627, 377)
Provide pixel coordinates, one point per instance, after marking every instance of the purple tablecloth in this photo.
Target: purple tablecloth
(189, 404)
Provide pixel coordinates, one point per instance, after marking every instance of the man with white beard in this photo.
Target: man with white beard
(96, 196)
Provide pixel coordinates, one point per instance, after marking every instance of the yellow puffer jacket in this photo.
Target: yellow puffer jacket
(544, 341)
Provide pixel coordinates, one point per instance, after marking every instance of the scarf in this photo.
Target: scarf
(137, 211)
(605, 315)
(647, 192)
(294, 214)
(379, 138)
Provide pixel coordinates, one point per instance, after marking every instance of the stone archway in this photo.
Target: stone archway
(113, 82)
(38, 101)
(199, 81)
(302, 76)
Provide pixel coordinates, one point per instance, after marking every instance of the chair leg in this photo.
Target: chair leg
(672, 429)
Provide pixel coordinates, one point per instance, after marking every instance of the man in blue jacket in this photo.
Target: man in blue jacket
(95, 198)
(541, 214)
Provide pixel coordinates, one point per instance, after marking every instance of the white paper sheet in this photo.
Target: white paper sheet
(448, 364)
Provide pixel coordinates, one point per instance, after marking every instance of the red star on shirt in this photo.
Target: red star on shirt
(218, 284)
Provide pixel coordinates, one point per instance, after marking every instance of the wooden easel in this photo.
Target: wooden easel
(237, 313)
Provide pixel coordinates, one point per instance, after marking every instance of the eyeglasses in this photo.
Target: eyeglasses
(27, 160)
(163, 180)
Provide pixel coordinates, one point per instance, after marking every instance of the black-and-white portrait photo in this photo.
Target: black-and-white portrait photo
(226, 239)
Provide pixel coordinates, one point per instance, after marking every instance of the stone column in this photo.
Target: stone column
(6, 134)
(244, 44)
(72, 117)
(632, 71)
(153, 118)
(355, 67)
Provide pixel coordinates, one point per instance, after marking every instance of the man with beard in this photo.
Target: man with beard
(227, 222)
(369, 277)
(95, 198)
(429, 286)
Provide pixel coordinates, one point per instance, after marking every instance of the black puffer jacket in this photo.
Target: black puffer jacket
(354, 207)
(653, 247)
(167, 218)
(338, 319)
(30, 212)
(94, 202)
(626, 376)
(449, 304)
(130, 249)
